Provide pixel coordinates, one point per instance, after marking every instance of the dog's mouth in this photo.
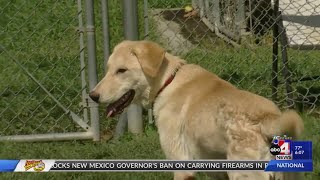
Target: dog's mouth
(118, 106)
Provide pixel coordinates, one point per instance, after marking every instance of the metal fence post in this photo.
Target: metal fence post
(130, 21)
(240, 18)
(92, 68)
(122, 122)
(82, 65)
(105, 29)
(146, 19)
(146, 36)
(275, 48)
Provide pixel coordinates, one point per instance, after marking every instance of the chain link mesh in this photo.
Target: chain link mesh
(41, 36)
(238, 41)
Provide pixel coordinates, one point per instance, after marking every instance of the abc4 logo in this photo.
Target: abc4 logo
(281, 147)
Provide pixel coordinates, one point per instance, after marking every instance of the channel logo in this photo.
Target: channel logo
(281, 148)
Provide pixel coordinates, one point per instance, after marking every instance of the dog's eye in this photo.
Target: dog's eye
(121, 70)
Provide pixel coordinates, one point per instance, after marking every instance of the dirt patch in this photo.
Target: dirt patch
(192, 28)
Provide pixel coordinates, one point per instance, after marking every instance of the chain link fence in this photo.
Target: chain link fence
(47, 55)
(43, 62)
(267, 47)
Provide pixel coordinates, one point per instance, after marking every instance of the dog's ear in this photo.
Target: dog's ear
(150, 56)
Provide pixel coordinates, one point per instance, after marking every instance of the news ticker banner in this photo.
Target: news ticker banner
(152, 165)
(290, 156)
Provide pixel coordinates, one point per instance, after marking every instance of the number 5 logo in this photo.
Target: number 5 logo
(285, 147)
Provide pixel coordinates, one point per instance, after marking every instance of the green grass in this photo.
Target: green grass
(145, 146)
(42, 36)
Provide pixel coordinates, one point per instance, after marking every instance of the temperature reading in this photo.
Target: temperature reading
(297, 148)
(302, 150)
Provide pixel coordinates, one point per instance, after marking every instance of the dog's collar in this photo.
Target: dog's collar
(169, 80)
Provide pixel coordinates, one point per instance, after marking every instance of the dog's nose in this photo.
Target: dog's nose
(94, 96)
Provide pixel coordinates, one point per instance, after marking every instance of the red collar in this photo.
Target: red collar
(168, 81)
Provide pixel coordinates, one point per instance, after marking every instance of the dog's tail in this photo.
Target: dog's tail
(289, 123)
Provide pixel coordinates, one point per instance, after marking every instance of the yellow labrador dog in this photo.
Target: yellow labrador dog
(198, 115)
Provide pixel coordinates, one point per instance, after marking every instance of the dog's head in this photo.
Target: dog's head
(129, 70)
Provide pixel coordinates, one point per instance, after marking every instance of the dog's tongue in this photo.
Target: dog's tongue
(110, 113)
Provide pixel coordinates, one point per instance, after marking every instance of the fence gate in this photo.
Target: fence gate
(43, 89)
